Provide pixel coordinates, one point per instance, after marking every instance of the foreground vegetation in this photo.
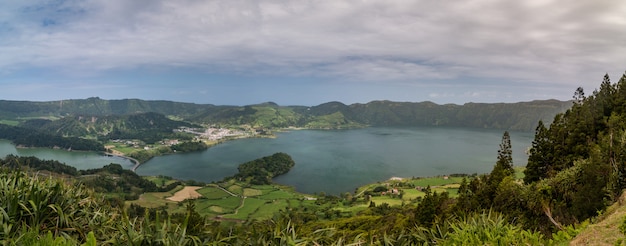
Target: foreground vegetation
(38, 210)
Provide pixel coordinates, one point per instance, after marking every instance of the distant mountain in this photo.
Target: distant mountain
(331, 115)
(96, 107)
(510, 116)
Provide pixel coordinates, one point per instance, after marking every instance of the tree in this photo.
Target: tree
(502, 169)
(504, 165)
(579, 95)
(539, 160)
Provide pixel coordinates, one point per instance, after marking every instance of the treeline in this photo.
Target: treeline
(262, 170)
(34, 163)
(189, 146)
(34, 138)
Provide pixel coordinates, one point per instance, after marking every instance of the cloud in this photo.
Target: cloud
(540, 41)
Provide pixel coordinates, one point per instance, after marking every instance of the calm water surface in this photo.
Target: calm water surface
(329, 161)
(340, 161)
(78, 159)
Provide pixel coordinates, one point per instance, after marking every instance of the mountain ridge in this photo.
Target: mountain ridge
(329, 115)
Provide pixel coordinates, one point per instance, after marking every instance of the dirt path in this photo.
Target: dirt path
(189, 192)
(225, 190)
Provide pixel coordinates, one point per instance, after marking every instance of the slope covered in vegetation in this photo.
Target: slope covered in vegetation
(331, 115)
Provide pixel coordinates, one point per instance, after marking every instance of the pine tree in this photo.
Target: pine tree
(539, 160)
(502, 169)
(504, 165)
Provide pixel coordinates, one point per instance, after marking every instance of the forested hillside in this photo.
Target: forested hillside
(331, 115)
(148, 127)
(97, 107)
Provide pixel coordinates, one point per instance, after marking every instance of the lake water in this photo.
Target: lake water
(337, 161)
(332, 161)
(78, 159)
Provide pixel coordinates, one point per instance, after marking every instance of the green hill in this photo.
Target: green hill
(148, 127)
(331, 115)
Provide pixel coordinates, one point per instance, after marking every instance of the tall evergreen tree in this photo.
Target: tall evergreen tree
(502, 169)
(504, 165)
(540, 158)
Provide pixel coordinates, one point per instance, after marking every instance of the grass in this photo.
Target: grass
(251, 205)
(412, 194)
(235, 189)
(159, 181)
(269, 209)
(606, 230)
(211, 192)
(154, 200)
(435, 181)
(230, 202)
(385, 199)
(10, 122)
(248, 192)
(279, 194)
(264, 201)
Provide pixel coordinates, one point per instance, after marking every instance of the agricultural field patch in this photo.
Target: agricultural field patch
(212, 192)
(434, 181)
(378, 200)
(249, 207)
(248, 192)
(267, 210)
(229, 203)
(160, 180)
(235, 189)
(279, 194)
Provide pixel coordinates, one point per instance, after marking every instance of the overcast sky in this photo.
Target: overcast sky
(307, 52)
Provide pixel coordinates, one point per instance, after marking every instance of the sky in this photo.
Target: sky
(307, 52)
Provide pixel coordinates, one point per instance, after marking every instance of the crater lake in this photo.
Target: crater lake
(330, 161)
(338, 161)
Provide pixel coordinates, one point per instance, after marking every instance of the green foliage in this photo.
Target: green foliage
(540, 158)
(189, 146)
(36, 138)
(36, 164)
(28, 204)
(262, 170)
(489, 229)
(433, 207)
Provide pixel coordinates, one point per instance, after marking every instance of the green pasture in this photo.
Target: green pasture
(231, 202)
(212, 192)
(250, 206)
(269, 209)
(248, 192)
(10, 122)
(412, 194)
(159, 181)
(435, 181)
(280, 194)
(155, 200)
(378, 200)
(235, 189)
